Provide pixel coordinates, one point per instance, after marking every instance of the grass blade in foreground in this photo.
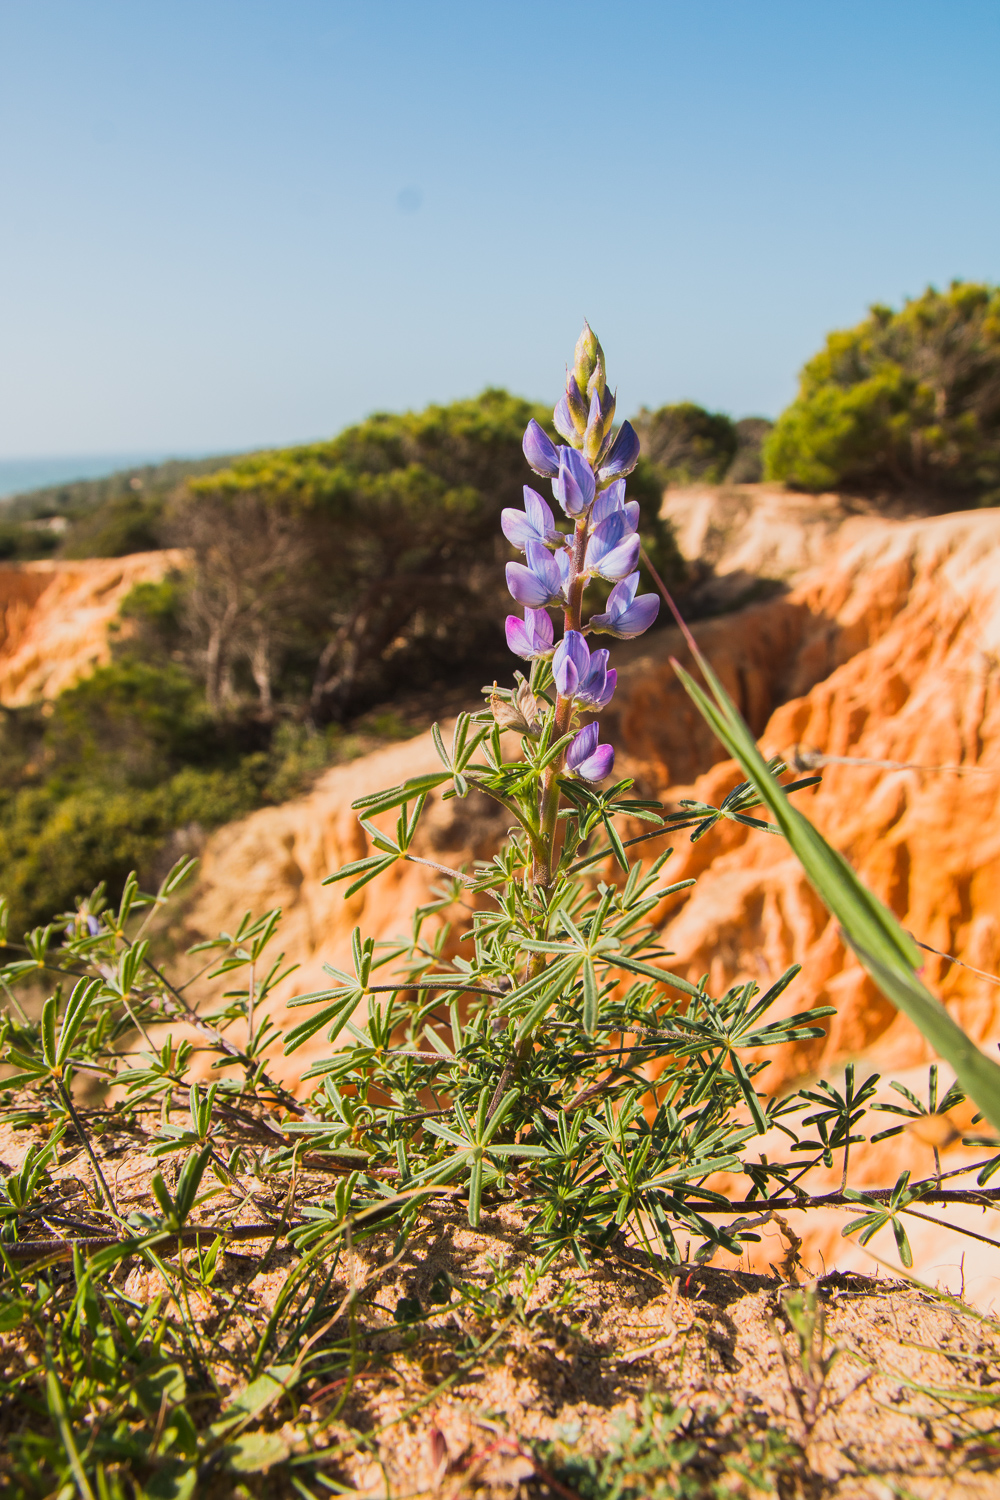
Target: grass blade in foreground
(870, 929)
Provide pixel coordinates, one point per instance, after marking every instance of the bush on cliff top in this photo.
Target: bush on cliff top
(909, 398)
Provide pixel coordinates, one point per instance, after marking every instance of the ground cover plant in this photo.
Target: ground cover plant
(471, 1252)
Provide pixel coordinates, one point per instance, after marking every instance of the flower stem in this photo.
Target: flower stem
(548, 808)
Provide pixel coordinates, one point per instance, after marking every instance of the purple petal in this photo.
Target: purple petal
(602, 699)
(626, 617)
(598, 765)
(531, 636)
(571, 663)
(632, 514)
(613, 549)
(581, 746)
(639, 616)
(525, 587)
(586, 758)
(624, 453)
(540, 515)
(575, 485)
(517, 528)
(594, 690)
(608, 502)
(537, 584)
(562, 420)
(620, 560)
(539, 623)
(540, 451)
(518, 639)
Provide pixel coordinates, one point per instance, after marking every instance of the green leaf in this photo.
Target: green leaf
(253, 1452)
(590, 997)
(408, 791)
(334, 1015)
(383, 864)
(902, 1244)
(749, 1093)
(49, 1030)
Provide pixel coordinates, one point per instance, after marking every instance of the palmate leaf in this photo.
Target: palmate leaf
(888, 953)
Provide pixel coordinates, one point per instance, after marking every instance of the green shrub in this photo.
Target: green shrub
(343, 571)
(118, 526)
(907, 398)
(686, 444)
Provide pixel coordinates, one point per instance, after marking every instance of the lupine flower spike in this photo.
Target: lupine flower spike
(588, 471)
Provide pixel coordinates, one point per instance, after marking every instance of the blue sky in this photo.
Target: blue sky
(234, 224)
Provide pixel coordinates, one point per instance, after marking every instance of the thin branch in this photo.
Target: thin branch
(444, 869)
(812, 760)
(953, 960)
(82, 1132)
(981, 1198)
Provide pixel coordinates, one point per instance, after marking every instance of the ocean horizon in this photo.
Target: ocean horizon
(19, 476)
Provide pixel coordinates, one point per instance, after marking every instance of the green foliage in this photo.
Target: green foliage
(686, 443)
(394, 526)
(23, 541)
(106, 517)
(96, 784)
(905, 398)
(129, 523)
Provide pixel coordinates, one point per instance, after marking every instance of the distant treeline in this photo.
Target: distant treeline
(107, 517)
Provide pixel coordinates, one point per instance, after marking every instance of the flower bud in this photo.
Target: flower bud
(587, 357)
(576, 401)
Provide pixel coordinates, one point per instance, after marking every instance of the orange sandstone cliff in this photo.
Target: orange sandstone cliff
(55, 618)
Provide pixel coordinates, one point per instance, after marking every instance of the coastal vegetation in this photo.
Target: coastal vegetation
(903, 400)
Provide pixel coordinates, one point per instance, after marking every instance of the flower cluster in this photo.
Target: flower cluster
(587, 472)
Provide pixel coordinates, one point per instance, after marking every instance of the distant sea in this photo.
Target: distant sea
(20, 474)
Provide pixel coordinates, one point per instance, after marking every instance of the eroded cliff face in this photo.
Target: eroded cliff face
(55, 618)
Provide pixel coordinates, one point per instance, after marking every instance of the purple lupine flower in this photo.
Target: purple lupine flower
(535, 523)
(581, 674)
(539, 583)
(532, 636)
(575, 485)
(611, 500)
(598, 687)
(624, 454)
(571, 663)
(586, 758)
(540, 450)
(564, 561)
(613, 549)
(626, 616)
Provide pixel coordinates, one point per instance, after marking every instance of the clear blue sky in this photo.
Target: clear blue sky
(233, 224)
